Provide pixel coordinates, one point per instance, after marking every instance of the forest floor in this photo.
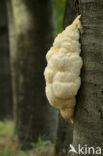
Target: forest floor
(9, 143)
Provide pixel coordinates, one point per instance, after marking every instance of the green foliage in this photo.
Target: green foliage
(9, 144)
(5, 153)
(59, 6)
(42, 144)
(6, 127)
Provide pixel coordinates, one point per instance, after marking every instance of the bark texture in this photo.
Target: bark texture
(88, 125)
(35, 118)
(5, 73)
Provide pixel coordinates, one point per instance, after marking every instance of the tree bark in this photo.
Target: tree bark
(35, 117)
(65, 127)
(5, 73)
(88, 125)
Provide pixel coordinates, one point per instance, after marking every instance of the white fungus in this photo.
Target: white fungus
(62, 73)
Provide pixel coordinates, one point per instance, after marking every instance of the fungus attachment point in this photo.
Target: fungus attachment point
(62, 73)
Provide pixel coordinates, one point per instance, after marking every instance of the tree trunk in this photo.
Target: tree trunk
(70, 13)
(65, 127)
(88, 125)
(64, 137)
(13, 53)
(35, 118)
(5, 73)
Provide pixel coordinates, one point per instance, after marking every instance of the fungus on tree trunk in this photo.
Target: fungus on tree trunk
(62, 73)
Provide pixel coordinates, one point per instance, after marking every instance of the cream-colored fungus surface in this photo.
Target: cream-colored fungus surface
(62, 73)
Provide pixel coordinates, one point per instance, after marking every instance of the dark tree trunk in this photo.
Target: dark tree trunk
(5, 73)
(70, 12)
(65, 128)
(35, 117)
(64, 137)
(88, 125)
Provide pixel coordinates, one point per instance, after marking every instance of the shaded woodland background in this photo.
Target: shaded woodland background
(27, 31)
(29, 126)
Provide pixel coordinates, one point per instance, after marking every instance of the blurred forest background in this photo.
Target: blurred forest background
(29, 126)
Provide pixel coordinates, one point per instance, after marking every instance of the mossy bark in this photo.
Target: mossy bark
(34, 116)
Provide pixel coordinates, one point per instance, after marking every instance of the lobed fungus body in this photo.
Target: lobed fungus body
(62, 73)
